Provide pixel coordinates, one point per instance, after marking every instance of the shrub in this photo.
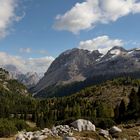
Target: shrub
(7, 128)
(20, 125)
(10, 127)
(104, 123)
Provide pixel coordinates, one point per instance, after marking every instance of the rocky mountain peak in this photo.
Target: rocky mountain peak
(117, 51)
(78, 65)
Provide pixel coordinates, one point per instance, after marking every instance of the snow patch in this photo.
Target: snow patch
(115, 52)
(130, 52)
(137, 49)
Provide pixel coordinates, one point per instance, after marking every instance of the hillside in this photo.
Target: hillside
(8, 85)
(105, 104)
(94, 102)
(69, 89)
(14, 96)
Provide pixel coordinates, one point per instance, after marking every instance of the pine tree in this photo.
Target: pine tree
(133, 106)
(122, 109)
(66, 112)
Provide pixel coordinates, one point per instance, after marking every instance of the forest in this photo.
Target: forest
(112, 102)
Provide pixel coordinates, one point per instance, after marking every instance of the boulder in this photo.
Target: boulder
(83, 125)
(61, 130)
(20, 136)
(69, 138)
(42, 137)
(47, 132)
(103, 132)
(115, 129)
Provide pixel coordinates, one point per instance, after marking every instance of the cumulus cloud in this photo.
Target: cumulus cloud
(88, 14)
(101, 43)
(39, 65)
(25, 50)
(7, 15)
(30, 50)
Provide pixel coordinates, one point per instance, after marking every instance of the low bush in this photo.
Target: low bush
(7, 128)
(10, 127)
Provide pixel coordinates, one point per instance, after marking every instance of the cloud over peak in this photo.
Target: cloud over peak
(38, 65)
(88, 14)
(101, 43)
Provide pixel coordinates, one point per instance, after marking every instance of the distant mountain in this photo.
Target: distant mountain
(78, 65)
(13, 70)
(29, 79)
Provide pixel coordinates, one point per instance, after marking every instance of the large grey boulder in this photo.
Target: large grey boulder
(83, 125)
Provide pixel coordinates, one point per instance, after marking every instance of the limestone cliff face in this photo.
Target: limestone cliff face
(69, 67)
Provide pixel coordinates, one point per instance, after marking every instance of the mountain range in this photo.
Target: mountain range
(29, 79)
(78, 65)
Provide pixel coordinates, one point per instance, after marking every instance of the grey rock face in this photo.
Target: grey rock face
(69, 67)
(29, 79)
(78, 65)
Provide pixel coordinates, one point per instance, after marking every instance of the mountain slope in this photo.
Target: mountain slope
(79, 65)
(69, 67)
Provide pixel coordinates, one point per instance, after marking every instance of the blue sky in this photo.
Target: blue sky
(33, 32)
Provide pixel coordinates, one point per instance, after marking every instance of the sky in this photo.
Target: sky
(34, 32)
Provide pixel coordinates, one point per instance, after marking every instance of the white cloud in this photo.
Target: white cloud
(39, 65)
(88, 14)
(25, 50)
(101, 43)
(30, 50)
(43, 52)
(7, 15)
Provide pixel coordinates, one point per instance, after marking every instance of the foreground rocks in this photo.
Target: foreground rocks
(65, 132)
(57, 131)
